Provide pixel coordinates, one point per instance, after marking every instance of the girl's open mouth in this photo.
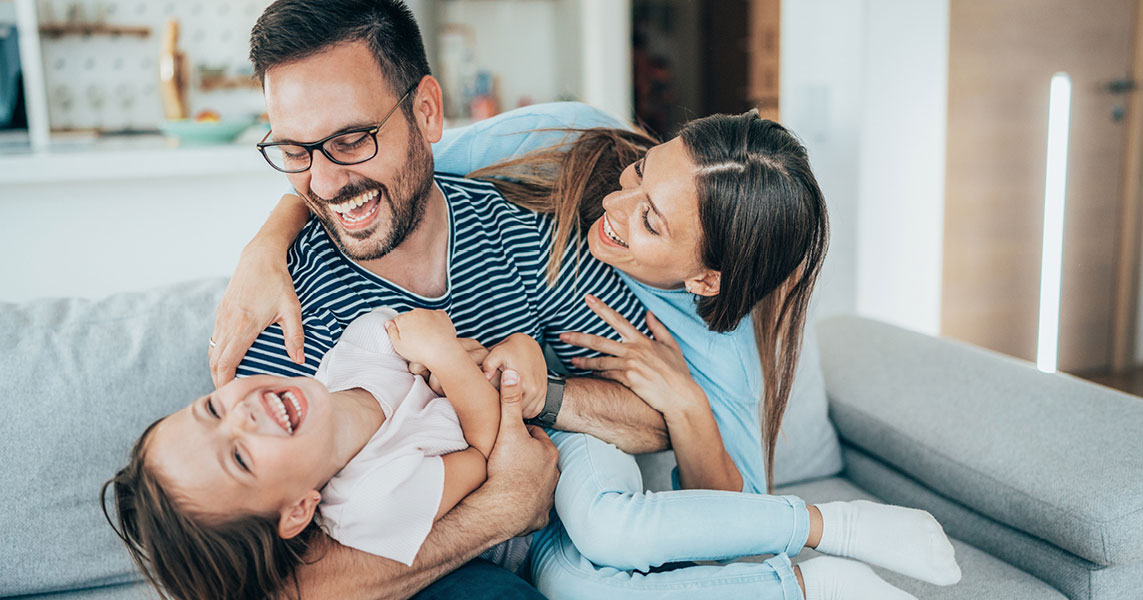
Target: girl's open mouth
(288, 408)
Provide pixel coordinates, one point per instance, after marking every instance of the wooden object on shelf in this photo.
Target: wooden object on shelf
(53, 30)
(172, 74)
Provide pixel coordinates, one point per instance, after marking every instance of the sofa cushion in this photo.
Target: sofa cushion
(1048, 454)
(82, 379)
(1078, 578)
(985, 576)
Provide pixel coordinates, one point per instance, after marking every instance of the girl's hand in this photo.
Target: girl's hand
(425, 336)
(653, 368)
(475, 351)
(260, 293)
(522, 354)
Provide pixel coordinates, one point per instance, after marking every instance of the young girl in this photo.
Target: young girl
(220, 500)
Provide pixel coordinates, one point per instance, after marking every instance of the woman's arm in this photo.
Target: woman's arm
(654, 368)
(260, 293)
(283, 224)
(704, 463)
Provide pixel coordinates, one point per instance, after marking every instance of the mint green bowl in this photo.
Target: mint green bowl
(205, 132)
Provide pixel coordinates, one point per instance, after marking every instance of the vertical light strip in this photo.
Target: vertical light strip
(1055, 183)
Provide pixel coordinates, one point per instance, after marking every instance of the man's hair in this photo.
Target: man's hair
(187, 558)
(291, 30)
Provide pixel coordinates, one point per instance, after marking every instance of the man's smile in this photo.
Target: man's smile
(358, 212)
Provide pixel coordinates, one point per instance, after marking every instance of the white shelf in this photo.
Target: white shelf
(147, 157)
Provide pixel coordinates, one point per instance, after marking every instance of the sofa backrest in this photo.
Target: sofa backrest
(79, 381)
(1046, 453)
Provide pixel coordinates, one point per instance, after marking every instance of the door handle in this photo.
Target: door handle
(1120, 86)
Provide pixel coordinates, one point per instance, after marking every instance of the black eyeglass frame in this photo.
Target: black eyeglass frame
(320, 144)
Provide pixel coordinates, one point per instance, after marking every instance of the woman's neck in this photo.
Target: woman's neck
(357, 417)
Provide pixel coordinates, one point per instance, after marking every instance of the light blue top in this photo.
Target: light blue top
(466, 149)
(725, 365)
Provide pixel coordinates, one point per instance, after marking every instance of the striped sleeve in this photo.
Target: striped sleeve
(562, 307)
(267, 356)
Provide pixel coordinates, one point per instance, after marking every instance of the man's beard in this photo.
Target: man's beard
(406, 202)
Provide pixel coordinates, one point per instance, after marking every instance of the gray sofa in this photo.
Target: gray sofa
(1039, 478)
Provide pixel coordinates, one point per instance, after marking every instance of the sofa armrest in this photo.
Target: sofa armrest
(1049, 454)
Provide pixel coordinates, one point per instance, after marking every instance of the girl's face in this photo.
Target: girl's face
(650, 227)
(254, 446)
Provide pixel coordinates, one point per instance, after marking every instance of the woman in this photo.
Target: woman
(721, 232)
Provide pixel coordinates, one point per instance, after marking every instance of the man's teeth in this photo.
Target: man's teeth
(611, 232)
(353, 203)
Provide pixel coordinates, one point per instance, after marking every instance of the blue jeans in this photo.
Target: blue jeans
(610, 534)
(479, 580)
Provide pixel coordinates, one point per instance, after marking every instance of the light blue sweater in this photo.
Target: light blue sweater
(725, 365)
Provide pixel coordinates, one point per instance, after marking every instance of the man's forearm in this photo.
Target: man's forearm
(456, 538)
(612, 413)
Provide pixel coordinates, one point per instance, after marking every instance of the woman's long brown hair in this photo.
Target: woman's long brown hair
(761, 212)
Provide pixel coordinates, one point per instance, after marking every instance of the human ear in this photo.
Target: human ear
(428, 108)
(707, 283)
(294, 518)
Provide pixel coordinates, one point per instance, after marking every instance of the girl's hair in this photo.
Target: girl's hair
(187, 558)
(763, 224)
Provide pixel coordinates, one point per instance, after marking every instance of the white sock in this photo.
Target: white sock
(905, 540)
(829, 578)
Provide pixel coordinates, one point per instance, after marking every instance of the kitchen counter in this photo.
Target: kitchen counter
(125, 157)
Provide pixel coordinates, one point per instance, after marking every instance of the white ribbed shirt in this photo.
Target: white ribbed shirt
(385, 499)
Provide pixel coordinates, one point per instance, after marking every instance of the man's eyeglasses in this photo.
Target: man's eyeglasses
(345, 148)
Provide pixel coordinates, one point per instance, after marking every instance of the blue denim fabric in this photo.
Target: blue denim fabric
(612, 533)
(562, 573)
(479, 580)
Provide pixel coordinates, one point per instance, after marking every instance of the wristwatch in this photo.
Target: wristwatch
(552, 402)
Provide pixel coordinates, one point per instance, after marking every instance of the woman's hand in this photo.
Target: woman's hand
(653, 368)
(260, 293)
(522, 354)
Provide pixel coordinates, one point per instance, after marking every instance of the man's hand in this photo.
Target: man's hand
(522, 471)
(523, 354)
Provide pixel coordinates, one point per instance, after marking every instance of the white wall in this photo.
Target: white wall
(902, 162)
(865, 84)
(95, 239)
(821, 93)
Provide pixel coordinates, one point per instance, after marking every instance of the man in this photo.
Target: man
(353, 112)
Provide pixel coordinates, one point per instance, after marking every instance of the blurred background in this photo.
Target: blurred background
(966, 199)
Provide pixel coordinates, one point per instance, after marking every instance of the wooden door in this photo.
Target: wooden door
(1002, 55)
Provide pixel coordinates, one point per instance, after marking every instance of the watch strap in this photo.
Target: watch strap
(553, 400)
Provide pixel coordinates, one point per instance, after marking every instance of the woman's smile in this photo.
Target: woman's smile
(607, 231)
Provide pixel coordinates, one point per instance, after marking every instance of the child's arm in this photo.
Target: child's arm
(428, 337)
(464, 471)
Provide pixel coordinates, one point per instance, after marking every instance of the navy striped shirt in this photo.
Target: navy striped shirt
(498, 255)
